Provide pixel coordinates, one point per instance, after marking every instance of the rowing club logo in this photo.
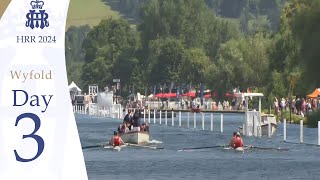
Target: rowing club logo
(37, 18)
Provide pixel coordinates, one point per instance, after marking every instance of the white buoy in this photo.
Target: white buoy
(188, 126)
(149, 116)
(202, 121)
(318, 133)
(269, 128)
(284, 130)
(172, 118)
(154, 116)
(301, 131)
(221, 123)
(211, 122)
(166, 115)
(160, 117)
(179, 118)
(194, 121)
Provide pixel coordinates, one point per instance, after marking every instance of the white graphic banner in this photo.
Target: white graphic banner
(38, 132)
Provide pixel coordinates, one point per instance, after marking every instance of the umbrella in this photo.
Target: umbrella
(169, 95)
(229, 95)
(159, 95)
(189, 94)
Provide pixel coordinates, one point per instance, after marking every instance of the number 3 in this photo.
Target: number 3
(39, 140)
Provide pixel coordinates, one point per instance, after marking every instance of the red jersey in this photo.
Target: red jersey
(237, 142)
(116, 141)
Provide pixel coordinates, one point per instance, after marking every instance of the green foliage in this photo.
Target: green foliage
(184, 19)
(313, 119)
(194, 66)
(74, 55)
(295, 119)
(243, 62)
(110, 51)
(166, 59)
(220, 31)
(183, 41)
(307, 31)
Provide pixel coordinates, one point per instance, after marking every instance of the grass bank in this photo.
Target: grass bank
(82, 12)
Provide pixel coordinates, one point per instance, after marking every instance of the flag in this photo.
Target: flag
(145, 91)
(190, 86)
(164, 87)
(171, 87)
(201, 92)
(154, 89)
(178, 92)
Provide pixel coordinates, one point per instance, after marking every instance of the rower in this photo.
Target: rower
(116, 140)
(236, 141)
(232, 139)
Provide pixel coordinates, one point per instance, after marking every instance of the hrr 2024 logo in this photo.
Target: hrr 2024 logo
(37, 17)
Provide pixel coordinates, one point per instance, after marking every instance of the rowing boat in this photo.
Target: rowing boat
(135, 137)
(239, 149)
(116, 148)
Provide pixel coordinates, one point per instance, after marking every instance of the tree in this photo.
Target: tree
(74, 54)
(194, 67)
(166, 57)
(110, 51)
(183, 19)
(219, 32)
(305, 29)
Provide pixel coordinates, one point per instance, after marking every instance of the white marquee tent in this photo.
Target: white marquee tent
(73, 85)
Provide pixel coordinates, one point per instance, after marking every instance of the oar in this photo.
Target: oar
(268, 148)
(150, 147)
(93, 146)
(307, 144)
(205, 147)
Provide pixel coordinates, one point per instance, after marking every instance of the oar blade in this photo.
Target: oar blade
(268, 148)
(195, 148)
(92, 146)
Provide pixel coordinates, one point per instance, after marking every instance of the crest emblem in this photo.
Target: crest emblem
(37, 18)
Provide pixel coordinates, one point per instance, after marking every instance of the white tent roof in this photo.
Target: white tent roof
(73, 85)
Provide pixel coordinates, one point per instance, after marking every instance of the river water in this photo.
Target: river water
(300, 162)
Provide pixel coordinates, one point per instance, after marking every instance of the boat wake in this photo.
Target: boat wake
(154, 142)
